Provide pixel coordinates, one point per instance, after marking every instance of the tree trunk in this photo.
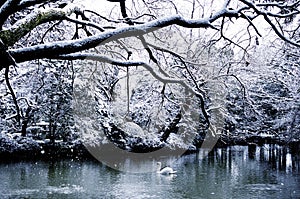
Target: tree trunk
(25, 122)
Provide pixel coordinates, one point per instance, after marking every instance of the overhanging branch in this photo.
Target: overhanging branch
(8, 7)
(72, 46)
(24, 26)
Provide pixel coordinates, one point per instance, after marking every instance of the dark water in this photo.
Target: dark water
(233, 172)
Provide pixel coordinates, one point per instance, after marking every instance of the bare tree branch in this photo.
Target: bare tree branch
(11, 90)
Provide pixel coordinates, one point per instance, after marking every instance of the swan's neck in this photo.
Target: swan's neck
(158, 167)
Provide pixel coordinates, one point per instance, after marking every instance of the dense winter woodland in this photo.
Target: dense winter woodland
(147, 74)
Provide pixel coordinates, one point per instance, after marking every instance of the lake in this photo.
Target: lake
(269, 171)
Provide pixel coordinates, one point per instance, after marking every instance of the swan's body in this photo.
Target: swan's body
(165, 170)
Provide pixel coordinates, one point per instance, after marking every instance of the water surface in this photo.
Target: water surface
(233, 172)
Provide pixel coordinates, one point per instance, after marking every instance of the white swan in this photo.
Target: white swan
(165, 170)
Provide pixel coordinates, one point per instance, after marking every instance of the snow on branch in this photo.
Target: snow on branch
(105, 59)
(72, 46)
(33, 2)
(22, 27)
(279, 4)
(267, 16)
(8, 7)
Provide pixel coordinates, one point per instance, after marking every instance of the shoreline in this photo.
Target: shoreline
(77, 150)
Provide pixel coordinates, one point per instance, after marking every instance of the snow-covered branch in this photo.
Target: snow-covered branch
(72, 46)
(22, 27)
(9, 7)
(267, 18)
(13, 34)
(105, 59)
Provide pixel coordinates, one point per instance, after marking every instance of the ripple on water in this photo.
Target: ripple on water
(63, 189)
(21, 192)
(263, 187)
